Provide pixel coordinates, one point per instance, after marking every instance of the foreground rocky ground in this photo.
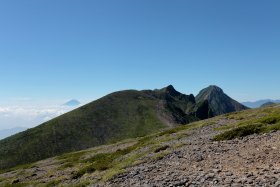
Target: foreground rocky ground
(184, 156)
(251, 161)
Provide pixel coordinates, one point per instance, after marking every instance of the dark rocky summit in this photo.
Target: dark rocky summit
(219, 102)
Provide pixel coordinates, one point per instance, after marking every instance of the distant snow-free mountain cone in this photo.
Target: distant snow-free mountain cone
(72, 102)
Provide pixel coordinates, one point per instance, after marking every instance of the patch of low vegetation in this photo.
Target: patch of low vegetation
(15, 184)
(169, 131)
(193, 125)
(271, 119)
(84, 170)
(162, 148)
(104, 161)
(24, 166)
(267, 121)
(66, 165)
(161, 155)
(72, 157)
(239, 132)
(49, 184)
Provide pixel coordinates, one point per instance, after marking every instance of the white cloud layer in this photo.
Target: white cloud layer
(29, 116)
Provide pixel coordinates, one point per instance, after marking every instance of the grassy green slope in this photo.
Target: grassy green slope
(117, 116)
(157, 145)
(254, 121)
(100, 164)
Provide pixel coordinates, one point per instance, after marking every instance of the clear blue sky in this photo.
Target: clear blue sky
(56, 49)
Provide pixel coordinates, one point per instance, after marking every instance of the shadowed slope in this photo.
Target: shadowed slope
(219, 102)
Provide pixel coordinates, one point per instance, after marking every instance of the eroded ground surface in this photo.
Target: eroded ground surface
(250, 161)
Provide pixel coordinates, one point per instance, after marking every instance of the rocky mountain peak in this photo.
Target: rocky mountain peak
(171, 90)
(219, 102)
(214, 88)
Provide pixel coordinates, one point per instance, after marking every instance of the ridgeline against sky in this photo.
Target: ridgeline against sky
(117, 116)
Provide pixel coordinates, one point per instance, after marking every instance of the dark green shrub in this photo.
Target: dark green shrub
(240, 132)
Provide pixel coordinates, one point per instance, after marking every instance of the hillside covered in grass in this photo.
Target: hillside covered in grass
(97, 164)
(252, 123)
(181, 147)
(117, 116)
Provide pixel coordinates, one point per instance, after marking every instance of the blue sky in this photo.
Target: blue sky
(55, 50)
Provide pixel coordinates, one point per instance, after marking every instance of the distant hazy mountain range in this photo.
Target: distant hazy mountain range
(8, 132)
(259, 103)
(268, 104)
(117, 116)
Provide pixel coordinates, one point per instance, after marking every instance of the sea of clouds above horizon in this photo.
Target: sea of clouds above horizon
(29, 116)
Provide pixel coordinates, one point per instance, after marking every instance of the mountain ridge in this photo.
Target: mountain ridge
(259, 103)
(4, 133)
(268, 104)
(114, 117)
